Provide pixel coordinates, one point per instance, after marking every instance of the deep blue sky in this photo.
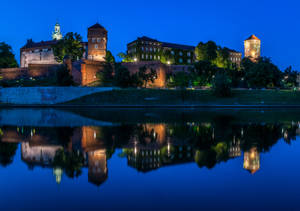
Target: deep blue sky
(227, 23)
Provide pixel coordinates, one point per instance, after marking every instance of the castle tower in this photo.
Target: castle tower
(252, 160)
(252, 48)
(97, 42)
(56, 35)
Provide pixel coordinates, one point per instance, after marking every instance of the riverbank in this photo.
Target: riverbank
(188, 98)
(144, 98)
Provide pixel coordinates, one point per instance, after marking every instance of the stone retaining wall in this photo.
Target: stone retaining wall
(46, 95)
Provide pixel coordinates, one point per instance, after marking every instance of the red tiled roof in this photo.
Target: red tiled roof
(252, 37)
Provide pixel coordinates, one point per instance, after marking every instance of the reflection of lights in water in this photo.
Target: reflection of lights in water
(57, 172)
(31, 133)
(169, 148)
(286, 135)
(154, 135)
(242, 132)
(95, 135)
(135, 150)
(252, 155)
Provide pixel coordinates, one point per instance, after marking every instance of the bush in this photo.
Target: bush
(222, 85)
(63, 77)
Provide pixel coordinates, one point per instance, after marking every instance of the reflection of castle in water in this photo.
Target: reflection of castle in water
(39, 149)
(146, 146)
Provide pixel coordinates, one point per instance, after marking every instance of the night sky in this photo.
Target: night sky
(227, 23)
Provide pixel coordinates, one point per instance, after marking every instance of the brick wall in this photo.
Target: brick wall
(89, 70)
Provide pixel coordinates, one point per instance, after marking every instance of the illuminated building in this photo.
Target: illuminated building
(252, 48)
(148, 49)
(97, 42)
(235, 57)
(252, 160)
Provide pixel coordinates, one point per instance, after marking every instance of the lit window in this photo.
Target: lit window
(189, 61)
(93, 40)
(158, 57)
(98, 40)
(96, 46)
(150, 56)
(146, 56)
(180, 60)
(142, 56)
(151, 49)
(155, 57)
(180, 53)
(189, 53)
(142, 48)
(172, 52)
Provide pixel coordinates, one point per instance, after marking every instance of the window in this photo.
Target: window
(150, 56)
(93, 40)
(142, 56)
(146, 56)
(98, 40)
(180, 60)
(189, 61)
(143, 49)
(96, 46)
(151, 49)
(172, 52)
(155, 57)
(154, 49)
(158, 57)
(180, 53)
(189, 53)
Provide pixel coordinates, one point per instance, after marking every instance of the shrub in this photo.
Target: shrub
(222, 85)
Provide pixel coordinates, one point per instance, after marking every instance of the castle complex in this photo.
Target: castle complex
(37, 58)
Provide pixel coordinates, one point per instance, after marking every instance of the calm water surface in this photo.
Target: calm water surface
(101, 159)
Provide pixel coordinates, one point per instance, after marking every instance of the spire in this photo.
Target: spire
(56, 35)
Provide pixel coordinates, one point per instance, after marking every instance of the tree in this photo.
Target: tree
(69, 46)
(206, 51)
(7, 153)
(125, 57)
(122, 77)
(222, 85)
(290, 77)
(7, 58)
(203, 73)
(182, 80)
(63, 76)
(263, 74)
(214, 54)
(145, 76)
(109, 58)
(105, 77)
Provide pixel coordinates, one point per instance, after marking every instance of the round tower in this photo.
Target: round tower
(252, 48)
(97, 42)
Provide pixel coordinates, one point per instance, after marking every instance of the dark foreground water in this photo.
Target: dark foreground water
(98, 159)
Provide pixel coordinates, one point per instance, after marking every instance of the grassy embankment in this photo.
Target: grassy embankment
(153, 97)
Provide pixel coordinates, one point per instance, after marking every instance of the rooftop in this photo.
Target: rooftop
(96, 26)
(253, 37)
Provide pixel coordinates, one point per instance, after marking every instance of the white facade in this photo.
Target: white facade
(37, 56)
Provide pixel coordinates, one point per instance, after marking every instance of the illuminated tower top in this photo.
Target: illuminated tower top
(252, 48)
(56, 35)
